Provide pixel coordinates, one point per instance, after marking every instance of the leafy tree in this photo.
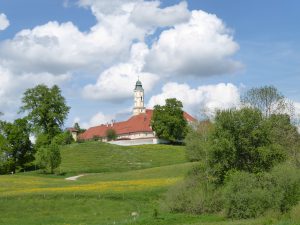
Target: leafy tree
(48, 157)
(16, 144)
(242, 141)
(46, 108)
(268, 100)
(78, 128)
(64, 138)
(168, 121)
(283, 132)
(198, 142)
(111, 134)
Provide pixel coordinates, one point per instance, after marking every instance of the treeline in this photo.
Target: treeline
(248, 160)
(45, 111)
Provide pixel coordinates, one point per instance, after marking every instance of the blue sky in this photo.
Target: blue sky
(95, 57)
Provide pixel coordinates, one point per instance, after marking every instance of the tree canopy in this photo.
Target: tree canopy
(267, 99)
(46, 108)
(16, 145)
(242, 140)
(48, 157)
(168, 121)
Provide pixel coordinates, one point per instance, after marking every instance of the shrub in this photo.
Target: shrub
(286, 186)
(96, 138)
(250, 195)
(111, 134)
(245, 196)
(48, 157)
(194, 195)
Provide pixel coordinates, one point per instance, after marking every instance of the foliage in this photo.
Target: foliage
(15, 145)
(286, 186)
(63, 138)
(246, 196)
(197, 141)
(196, 195)
(78, 128)
(42, 140)
(168, 121)
(49, 157)
(250, 195)
(47, 109)
(241, 141)
(111, 134)
(282, 132)
(267, 99)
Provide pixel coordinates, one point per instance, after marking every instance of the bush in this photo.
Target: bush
(249, 195)
(48, 157)
(245, 196)
(111, 135)
(194, 195)
(286, 186)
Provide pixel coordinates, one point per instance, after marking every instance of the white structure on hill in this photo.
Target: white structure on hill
(138, 99)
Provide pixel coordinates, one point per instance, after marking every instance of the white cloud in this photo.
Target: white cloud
(60, 48)
(203, 99)
(4, 22)
(202, 47)
(12, 87)
(96, 120)
(117, 82)
(115, 48)
(149, 14)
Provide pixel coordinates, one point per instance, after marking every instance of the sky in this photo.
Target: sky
(206, 53)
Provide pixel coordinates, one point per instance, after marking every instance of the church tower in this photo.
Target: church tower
(138, 99)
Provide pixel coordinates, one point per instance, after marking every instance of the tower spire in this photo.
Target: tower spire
(138, 98)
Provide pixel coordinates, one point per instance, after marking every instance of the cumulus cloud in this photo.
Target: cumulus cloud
(145, 14)
(116, 48)
(4, 22)
(202, 47)
(116, 83)
(149, 14)
(96, 120)
(12, 87)
(203, 99)
(60, 48)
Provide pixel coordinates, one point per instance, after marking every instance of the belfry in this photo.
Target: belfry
(138, 99)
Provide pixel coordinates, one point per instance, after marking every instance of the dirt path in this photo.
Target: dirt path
(74, 177)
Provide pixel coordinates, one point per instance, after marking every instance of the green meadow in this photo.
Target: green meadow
(120, 185)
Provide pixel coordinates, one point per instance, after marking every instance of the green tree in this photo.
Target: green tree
(283, 132)
(168, 121)
(198, 142)
(111, 134)
(268, 100)
(241, 140)
(48, 157)
(46, 108)
(18, 148)
(78, 128)
(64, 138)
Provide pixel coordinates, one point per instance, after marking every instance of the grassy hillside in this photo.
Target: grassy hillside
(92, 157)
(110, 197)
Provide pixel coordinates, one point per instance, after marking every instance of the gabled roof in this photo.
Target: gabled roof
(135, 124)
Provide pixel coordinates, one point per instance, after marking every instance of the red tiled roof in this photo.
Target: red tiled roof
(135, 124)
